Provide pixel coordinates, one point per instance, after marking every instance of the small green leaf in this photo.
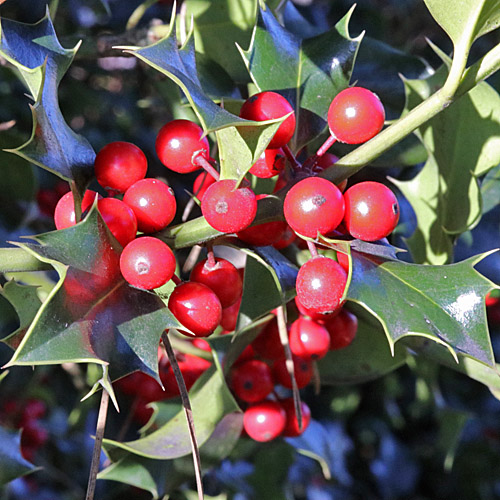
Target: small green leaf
(12, 463)
(442, 303)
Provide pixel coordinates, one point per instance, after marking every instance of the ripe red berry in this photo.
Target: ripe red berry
(342, 329)
(268, 344)
(270, 163)
(302, 369)
(119, 164)
(64, 214)
(372, 211)
(228, 209)
(229, 318)
(119, 218)
(267, 106)
(201, 183)
(153, 203)
(324, 161)
(264, 421)
(196, 307)
(292, 428)
(251, 380)
(314, 205)
(355, 115)
(147, 263)
(221, 277)
(320, 284)
(309, 339)
(177, 142)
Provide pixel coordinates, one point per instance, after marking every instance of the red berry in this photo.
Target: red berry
(286, 239)
(268, 344)
(324, 161)
(222, 277)
(342, 329)
(292, 428)
(176, 144)
(307, 312)
(153, 203)
(147, 263)
(119, 164)
(267, 106)
(309, 339)
(314, 205)
(196, 307)
(251, 380)
(264, 421)
(119, 218)
(270, 163)
(355, 115)
(372, 211)
(227, 209)
(302, 369)
(34, 409)
(64, 214)
(201, 183)
(343, 260)
(230, 316)
(320, 284)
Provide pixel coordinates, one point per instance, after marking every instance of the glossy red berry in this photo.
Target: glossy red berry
(355, 115)
(251, 380)
(342, 329)
(264, 421)
(228, 209)
(196, 307)
(314, 205)
(201, 183)
(324, 161)
(229, 318)
(153, 203)
(304, 311)
(147, 263)
(302, 369)
(64, 214)
(267, 106)
(372, 211)
(308, 339)
(286, 239)
(119, 164)
(268, 344)
(177, 142)
(119, 218)
(220, 276)
(292, 428)
(320, 284)
(270, 163)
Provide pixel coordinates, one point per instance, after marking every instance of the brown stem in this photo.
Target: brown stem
(200, 161)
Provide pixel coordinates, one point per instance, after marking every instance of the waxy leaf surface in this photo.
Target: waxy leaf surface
(12, 463)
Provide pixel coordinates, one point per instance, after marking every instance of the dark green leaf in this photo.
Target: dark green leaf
(12, 463)
(92, 314)
(490, 189)
(309, 73)
(442, 303)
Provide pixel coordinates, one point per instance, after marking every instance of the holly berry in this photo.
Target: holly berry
(270, 163)
(342, 329)
(267, 106)
(302, 369)
(308, 339)
(229, 209)
(118, 165)
(220, 276)
(372, 211)
(264, 421)
(147, 263)
(119, 218)
(268, 344)
(324, 161)
(229, 318)
(201, 183)
(355, 115)
(196, 307)
(314, 205)
(177, 142)
(251, 380)
(320, 284)
(64, 213)
(292, 428)
(153, 203)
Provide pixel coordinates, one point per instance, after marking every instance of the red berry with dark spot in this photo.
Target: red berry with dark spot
(176, 144)
(292, 428)
(147, 263)
(355, 115)
(372, 211)
(252, 380)
(64, 214)
(314, 205)
(119, 164)
(264, 421)
(119, 218)
(342, 329)
(309, 339)
(270, 163)
(302, 369)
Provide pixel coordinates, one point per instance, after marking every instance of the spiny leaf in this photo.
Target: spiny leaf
(12, 463)
(92, 314)
(309, 73)
(442, 303)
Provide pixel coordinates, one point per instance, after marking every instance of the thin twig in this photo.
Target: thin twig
(187, 410)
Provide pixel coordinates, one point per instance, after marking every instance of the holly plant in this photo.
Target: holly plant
(287, 223)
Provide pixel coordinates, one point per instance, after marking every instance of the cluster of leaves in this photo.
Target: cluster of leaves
(91, 316)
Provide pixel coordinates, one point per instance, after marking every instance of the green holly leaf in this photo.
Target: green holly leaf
(442, 303)
(462, 144)
(308, 73)
(210, 401)
(490, 189)
(26, 303)
(12, 463)
(92, 314)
